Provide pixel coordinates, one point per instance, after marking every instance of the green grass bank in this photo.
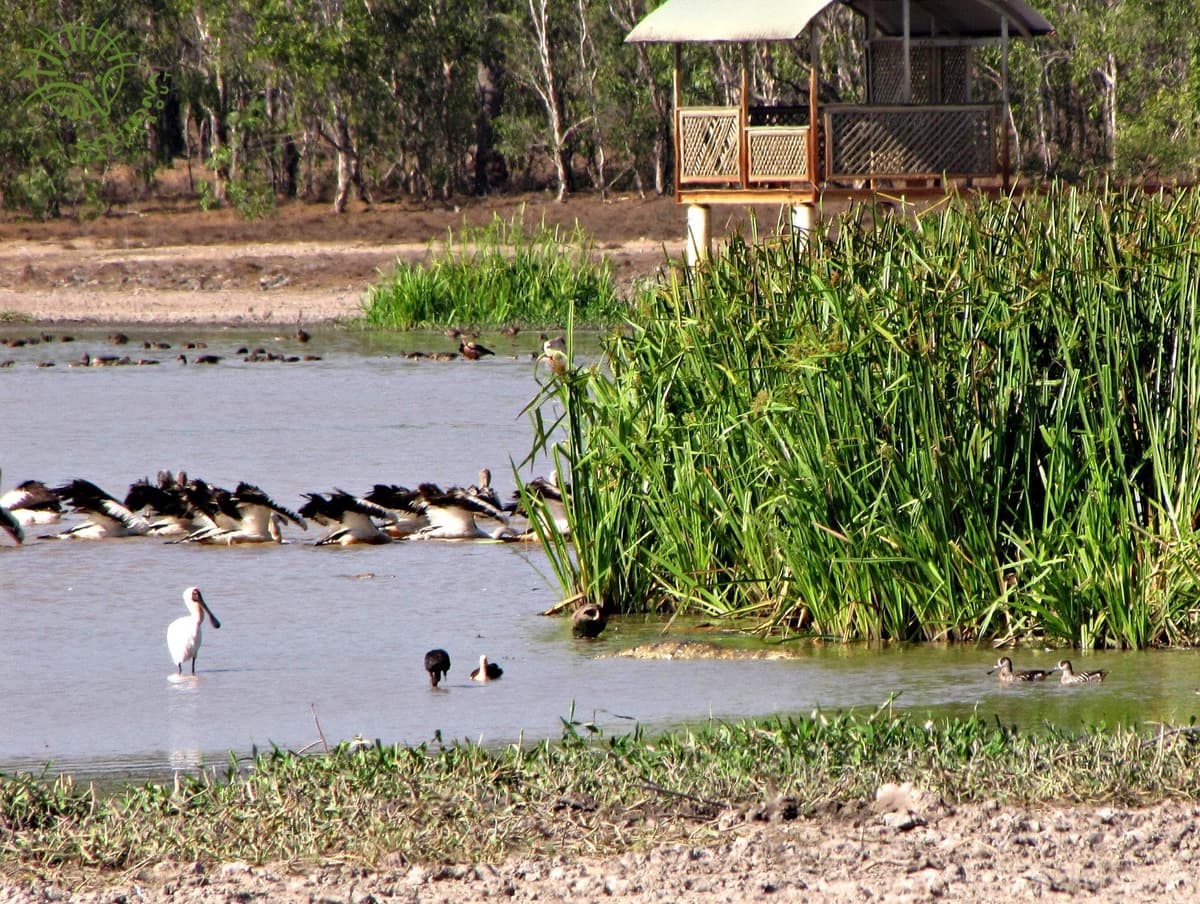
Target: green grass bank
(466, 804)
(980, 423)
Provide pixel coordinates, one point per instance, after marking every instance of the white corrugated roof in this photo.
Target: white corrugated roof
(704, 21)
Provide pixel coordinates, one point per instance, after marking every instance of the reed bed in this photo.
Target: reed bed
(466, 804)
(506, 272)
(981, 423)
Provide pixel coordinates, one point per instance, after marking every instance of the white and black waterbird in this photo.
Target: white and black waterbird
(404, 506)
(350, 518)
(543, 498)
(455, 514)
(437, 664)
(106, 516)
(164, 504)
(10, 525)
(487, 671)
(247, 515)
(183, 634)
(32, 502)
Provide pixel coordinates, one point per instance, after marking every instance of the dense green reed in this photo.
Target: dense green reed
(981, 423)
(464, 803)
(506, 272)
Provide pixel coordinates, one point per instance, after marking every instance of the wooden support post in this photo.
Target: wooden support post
(676, 96)
(699, 234)
(744, 121)
(1005, 114)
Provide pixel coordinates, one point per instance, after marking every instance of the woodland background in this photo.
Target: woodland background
(320, 99)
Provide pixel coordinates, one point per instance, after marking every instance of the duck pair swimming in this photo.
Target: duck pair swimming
(437, 664)
(1009, 675)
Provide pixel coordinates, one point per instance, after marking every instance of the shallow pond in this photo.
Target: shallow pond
(328, 643)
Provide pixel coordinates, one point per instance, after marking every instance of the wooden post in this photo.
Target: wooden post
(814, 84)
(1004, 160)
(906, 84)
(699, 234)
(676, 94)
(743, 122)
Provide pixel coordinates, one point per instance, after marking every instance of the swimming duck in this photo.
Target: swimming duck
(10, 525)
(437, 664)
(1070, 676)
(183, 634)
(588, 621)
(1009, 676)
(487, 671)
(472, 350)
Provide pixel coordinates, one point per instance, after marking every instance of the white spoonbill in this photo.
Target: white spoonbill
(183, 634)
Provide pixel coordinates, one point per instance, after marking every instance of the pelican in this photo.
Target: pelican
(11, 526)
(452, 515)
(247, 515)
(404, 506)
(588, 621)
(32, 502)
(487, 671)
(106, 516)
(548, 502)
(1070, 676)
(170, 513)
(437, 664)
(183, 634)
(349, 516)
(1009, 676)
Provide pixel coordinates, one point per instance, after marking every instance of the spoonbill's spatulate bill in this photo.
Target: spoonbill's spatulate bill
(183, 634)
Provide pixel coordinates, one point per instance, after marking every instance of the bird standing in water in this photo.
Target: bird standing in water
(183, 634)
(437, 664)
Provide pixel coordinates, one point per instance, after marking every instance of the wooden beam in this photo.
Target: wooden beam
(676, 96)
(744, 119)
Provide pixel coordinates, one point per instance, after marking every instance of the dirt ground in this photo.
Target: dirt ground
(172, 263)
(898, 848)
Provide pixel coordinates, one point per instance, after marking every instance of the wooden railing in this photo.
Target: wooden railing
(766, 147)
(906, 141)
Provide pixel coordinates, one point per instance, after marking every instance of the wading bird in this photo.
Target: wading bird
(437, 664)
(183, 634)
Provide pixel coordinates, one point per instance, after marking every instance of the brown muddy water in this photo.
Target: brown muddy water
(321, 643)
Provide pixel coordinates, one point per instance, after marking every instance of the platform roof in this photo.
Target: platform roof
(708, 21)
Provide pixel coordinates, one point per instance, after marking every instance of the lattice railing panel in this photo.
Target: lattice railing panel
(778, 153)
(956, 73)
(708, 144)
(866, 142)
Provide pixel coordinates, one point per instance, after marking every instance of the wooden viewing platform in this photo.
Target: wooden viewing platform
(921, 133)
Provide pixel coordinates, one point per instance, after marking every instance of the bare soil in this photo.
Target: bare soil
(172, 263)
(169, 263)
(911, 850)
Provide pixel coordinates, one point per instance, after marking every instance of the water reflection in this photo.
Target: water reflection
(330, 642)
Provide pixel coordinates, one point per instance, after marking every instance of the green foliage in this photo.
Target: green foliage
(505, 272)
(980, 425)
(86, 94)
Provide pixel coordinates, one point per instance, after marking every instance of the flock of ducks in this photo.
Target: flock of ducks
(180, 509)
(552, 351)
(1009, 675)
